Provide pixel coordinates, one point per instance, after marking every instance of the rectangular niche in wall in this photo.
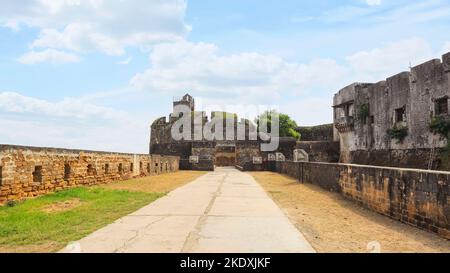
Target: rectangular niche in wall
(148, 167)
(131, 167)
(442, 106)
(400, 114)
(90, 170)
(106, 168)
(67, 172)
(120, 169)
(1, 175)
(37, 174)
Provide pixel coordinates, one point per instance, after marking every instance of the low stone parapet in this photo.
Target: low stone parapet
(27, 172)
(417, 197)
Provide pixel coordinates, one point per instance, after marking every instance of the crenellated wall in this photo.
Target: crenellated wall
(417, 197)
(30, 171)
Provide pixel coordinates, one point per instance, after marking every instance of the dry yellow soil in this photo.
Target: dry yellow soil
(161, 183)
(333, 224)
(62, 206)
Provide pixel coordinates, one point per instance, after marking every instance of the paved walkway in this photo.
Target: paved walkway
(223, 211)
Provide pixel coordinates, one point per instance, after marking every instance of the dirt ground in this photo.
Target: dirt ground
(62, 206)
(333, 224)
(39, 248)
(161, 183)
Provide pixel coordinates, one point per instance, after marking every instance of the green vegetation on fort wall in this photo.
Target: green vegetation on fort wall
(398, 132)
(440, 126)
(288, 126)
(363, 112)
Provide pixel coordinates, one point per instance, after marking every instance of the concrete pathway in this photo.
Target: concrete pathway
(220, 212)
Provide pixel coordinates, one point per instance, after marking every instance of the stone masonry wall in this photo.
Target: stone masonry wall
(320, 151)
(317, 133)
(365, 112)
(29, 172)
(417, 197)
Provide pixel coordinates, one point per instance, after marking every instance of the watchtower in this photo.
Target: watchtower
(186, 100)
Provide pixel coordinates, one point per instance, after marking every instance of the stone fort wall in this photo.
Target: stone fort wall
(365, 112)
(416, 197)
(27, 172)
(317, 133)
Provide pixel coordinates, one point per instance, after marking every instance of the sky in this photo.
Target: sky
(94, 74)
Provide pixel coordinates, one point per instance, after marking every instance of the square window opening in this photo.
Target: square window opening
(442, 106)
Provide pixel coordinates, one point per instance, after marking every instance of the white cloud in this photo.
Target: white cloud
(310, 110)
(419, 12)
(126, 61)
(373, 2)
(199, 68)
(31, 131)
(106, 26)
(12, 102)
(70, 123)
(377, 12)
(78, 38)
(182, 66)
(49, 55)
(378, 63)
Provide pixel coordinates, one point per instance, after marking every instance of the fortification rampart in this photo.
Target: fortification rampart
(391, 119)
(31, 171)
(417, 197)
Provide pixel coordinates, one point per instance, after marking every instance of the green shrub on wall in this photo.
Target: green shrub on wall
(363, 112)
(440, 126)
(398, 132)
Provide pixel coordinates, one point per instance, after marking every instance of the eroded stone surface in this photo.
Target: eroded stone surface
(30, 171)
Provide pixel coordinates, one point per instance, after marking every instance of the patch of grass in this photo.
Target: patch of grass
(30, 223)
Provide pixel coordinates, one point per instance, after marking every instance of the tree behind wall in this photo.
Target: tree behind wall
(288, 126)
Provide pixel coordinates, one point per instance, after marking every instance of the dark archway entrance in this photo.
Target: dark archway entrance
(225, 155)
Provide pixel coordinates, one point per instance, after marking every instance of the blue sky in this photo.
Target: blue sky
(94, 74)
